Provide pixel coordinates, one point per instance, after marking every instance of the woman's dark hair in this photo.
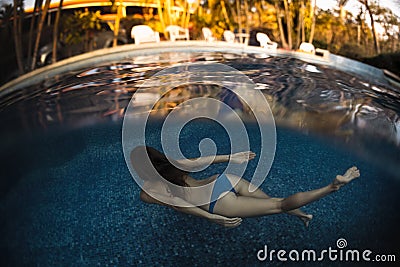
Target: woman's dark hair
(140, 156)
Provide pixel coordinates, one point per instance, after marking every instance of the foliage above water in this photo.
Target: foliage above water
(79, 25)
(371, 30)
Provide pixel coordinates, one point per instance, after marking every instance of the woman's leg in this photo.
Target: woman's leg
(242, 206)
(242, 188)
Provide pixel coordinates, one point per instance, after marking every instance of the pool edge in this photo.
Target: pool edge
(131, 50)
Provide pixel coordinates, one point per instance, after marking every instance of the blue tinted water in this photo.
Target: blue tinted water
(67, 197)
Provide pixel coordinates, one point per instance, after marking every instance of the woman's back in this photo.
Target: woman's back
(198, 196)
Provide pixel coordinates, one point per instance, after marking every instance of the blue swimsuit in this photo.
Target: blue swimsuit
(222, 184)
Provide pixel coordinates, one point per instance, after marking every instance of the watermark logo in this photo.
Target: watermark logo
(341, 243)
(340, 253)
(168, 92)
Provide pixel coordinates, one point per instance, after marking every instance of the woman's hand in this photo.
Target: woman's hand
(242, 157)
(225, 221)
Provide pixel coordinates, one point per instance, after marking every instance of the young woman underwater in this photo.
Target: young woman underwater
(232, 198)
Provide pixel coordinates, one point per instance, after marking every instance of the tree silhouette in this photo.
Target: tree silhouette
(39, 33)
(55, 32)
(17, 32)
(372, 9)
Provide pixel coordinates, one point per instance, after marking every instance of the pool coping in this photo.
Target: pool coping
(126, 52)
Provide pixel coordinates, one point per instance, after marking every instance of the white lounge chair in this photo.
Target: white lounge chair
(144, 34)
(208, 36)
(265, 42)
(229, 36)
(307, 48)
(177, 33)
(322, 52)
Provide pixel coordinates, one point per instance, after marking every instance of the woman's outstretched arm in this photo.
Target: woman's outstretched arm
(183, 206)
(199, 163)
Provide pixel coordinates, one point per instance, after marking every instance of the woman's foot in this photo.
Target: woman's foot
(306, 219)
(350, 175)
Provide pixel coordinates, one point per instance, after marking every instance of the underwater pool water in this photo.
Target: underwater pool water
(67, 197)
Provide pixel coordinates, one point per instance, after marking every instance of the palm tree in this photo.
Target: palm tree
(300, 24)
(39, 33)
(288, 23)
(313, 7)
(17, 9)
(371, 8)
(279, 16)
(226, 16)
(342, 11)
(55, 32)
(37, 7)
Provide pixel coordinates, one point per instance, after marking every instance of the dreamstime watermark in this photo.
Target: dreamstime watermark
(169, 84)
(338, 253)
